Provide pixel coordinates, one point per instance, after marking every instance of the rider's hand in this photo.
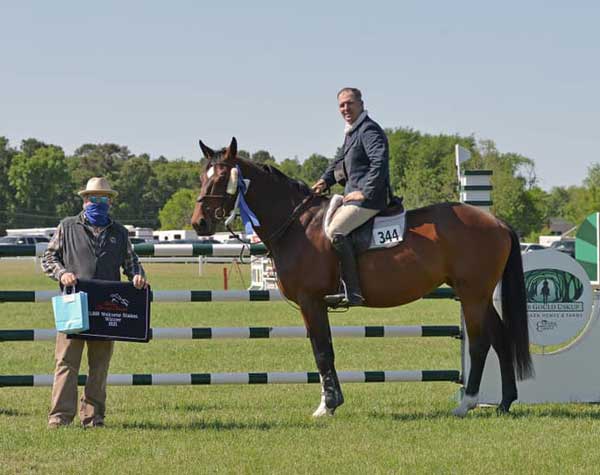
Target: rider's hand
(354, 196)
(319, 187)
(139, 282)
(68, 279)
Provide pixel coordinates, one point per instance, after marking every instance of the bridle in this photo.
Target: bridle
(220, 213)
(224, 198)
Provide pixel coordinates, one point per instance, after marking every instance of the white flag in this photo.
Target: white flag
(462, 154)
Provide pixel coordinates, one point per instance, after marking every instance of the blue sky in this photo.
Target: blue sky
(157, 76)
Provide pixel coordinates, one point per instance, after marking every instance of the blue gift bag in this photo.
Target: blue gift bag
(71, 312)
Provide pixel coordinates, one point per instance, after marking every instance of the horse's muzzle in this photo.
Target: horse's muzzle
(202, 227)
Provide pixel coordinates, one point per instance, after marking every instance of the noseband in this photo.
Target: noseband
(219, 212)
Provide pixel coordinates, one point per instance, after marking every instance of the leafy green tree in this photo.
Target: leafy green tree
(401, 142)
(513, 178)
(177, 211)
(263, 157)
(313, 167)
(592, 180)
(91, 160)
(556, 202)
(6, 191)
(422, 169)
(539, 217)
(292, 168)
(579, 205)
(42, 185)
(30, 146)
(172, 175)
(592, 185)
(137, 203)
(422, 166)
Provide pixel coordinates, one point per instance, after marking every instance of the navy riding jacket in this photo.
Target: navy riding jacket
(364, 159)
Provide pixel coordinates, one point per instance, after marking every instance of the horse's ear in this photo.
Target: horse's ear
(207, 151)
(232, 149)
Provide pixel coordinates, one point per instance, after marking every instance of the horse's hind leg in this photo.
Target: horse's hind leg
(479, 345)
(501, 345)
(314, 312)
(485, 329)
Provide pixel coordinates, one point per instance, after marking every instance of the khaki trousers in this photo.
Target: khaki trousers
(64, 390)
(347, 218)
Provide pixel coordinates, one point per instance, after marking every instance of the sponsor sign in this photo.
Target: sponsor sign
(559, 297)
(117, 311)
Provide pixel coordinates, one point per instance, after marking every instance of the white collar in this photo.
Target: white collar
(349, 128)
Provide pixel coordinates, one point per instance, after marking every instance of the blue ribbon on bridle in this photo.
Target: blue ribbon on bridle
(249, 219)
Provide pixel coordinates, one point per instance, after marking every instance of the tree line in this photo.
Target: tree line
(38, 181)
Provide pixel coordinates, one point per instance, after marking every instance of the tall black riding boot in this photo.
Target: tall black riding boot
(353, 296)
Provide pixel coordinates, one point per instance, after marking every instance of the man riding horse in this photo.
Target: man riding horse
(455, 244)
(362, 165)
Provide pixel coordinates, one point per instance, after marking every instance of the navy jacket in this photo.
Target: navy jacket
(365, 160)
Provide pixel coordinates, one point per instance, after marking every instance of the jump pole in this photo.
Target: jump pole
(155, 250)
(40, 296)
(250, 333)
(186, 379)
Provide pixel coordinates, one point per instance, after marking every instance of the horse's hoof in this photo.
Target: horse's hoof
(460, 411)
(467, 403)
(323, 410)
(329, 403)
(503, 410)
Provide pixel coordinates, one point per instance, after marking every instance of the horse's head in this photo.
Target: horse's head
(218, 188)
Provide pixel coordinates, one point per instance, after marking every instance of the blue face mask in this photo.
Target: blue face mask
(97, 214)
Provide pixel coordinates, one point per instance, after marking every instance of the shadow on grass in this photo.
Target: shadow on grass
(411, 416)
(574, 411)
(164, 406)
(216, 425)
(185, 407)
(12, 413)
(194, 407)
(579, 411)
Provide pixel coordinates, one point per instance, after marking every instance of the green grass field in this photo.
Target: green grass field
(382, 428)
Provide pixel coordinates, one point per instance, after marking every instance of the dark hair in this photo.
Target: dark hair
(355, 92)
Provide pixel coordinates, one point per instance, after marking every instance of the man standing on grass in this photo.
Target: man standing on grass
(87, 246)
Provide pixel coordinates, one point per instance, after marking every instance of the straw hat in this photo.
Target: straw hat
(98, 185)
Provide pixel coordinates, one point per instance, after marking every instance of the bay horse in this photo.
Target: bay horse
(448, 243)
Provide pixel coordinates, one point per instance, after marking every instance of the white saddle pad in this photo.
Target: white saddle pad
(387, 231)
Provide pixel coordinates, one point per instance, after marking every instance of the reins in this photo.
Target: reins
(298, 210)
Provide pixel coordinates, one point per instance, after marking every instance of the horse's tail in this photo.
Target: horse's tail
(514, 310)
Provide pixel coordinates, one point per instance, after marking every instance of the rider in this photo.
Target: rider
(362, 165)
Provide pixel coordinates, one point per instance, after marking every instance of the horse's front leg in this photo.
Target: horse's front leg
(314, 312)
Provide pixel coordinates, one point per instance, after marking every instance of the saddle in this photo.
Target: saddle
(385, 229)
